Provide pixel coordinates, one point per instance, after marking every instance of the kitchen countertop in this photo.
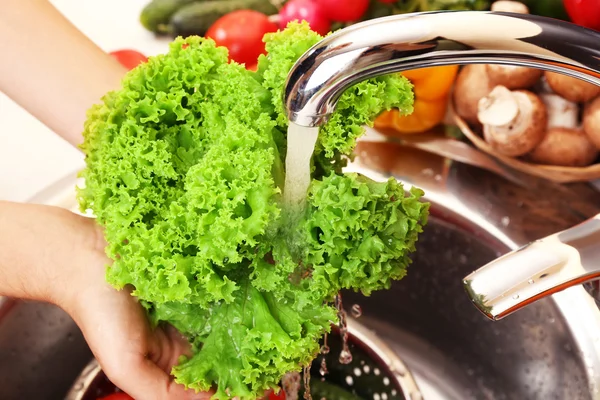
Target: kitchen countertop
(31, 155)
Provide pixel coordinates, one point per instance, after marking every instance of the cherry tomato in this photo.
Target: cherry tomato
(242, 32)
(305, 10)
(117, 396)
(129, 58)
(278, 396)
(344, 10)
(584, 12)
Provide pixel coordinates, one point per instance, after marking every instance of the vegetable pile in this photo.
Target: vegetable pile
(185, 171)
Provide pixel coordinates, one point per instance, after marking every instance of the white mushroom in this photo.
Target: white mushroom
(562, 113)
(591, 121)
(572, 89)
(565, 147)
(509, 6)
(470, 86)
(514, 122)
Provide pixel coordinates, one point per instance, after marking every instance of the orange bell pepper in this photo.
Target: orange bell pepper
(432, 92)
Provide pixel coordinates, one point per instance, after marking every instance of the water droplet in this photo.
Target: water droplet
(349, 380)
(531, 281)
(505, 221)
(386, 381)
(376, 396)
(427, 172)
(376, 371)
(357, 371)
(323, 370)
(384, 396)
(356, 311)
(394, 392)
(516, 296)
(345, 357)
(367, 369)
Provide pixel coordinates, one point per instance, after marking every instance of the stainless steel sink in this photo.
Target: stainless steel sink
(549, 350)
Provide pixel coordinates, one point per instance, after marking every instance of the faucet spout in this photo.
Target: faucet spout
(539, 269)
(409, 41)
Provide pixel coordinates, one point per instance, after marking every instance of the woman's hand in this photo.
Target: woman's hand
(53, 255)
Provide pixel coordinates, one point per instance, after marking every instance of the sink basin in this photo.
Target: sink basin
(549, 350)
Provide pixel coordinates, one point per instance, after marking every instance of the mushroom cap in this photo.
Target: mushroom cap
(509, 6)
(591, 121)
(520, 132)
(572, 89)
(565, 147)
(470, 86)
(513, 77)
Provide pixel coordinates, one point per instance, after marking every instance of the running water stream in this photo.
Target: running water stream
(301, 142)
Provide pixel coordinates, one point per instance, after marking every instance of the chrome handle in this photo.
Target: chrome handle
(402, 42)
(537, 270)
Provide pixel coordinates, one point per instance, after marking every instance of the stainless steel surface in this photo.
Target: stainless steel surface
(402, 42)
(536, 270)
(547, 351)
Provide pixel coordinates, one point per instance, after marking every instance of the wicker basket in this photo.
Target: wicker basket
(553, 173)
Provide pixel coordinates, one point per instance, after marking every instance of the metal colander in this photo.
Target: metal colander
(375, 372)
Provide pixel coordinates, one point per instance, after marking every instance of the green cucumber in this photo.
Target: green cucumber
(156, 15)
(197, 17)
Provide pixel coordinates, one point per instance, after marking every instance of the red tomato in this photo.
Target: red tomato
(129, 58)
(117, 396)
(278, 396)
(584, 12)
(242, 32)
(344, 10)
(305, 10)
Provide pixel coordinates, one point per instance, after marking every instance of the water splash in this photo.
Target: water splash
(325, 348)
(345, 355)
(306, 375)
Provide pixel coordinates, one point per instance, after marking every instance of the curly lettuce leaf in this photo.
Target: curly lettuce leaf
(184, 169)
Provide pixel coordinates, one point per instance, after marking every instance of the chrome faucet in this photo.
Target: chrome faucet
(403, 42)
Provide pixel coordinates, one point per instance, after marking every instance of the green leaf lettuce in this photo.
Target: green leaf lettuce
(185, 165)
